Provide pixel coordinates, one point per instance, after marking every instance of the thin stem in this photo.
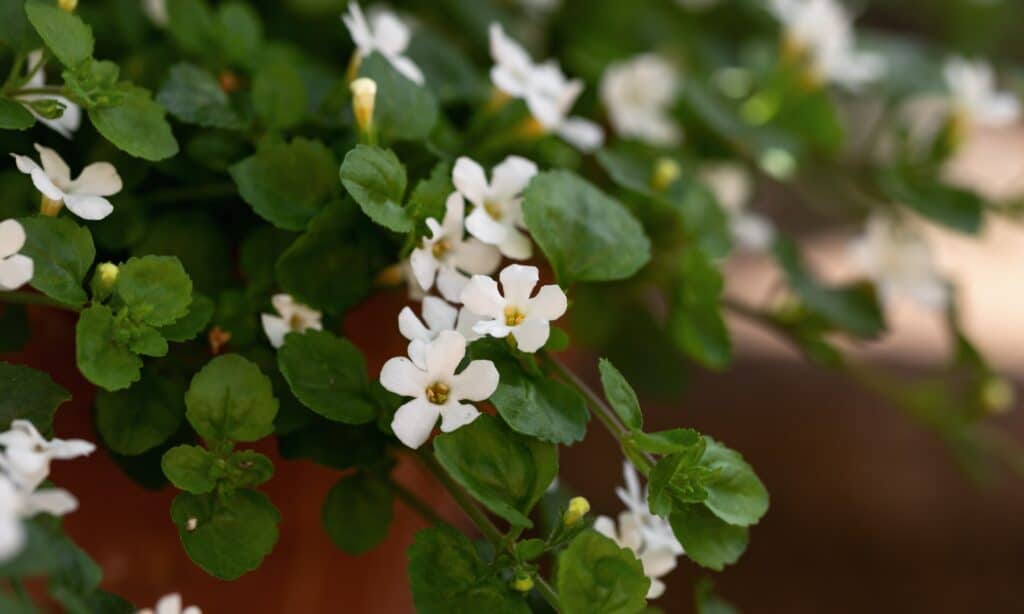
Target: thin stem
(46, 90)
(32, 298)
(12, 77)
(547, 593)
(487, 528)
(415, 503)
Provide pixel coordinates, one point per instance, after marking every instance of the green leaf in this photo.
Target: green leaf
(232, 533)
(101, 359)
(200, 310)
(504, 470)
(357, 512)
(595, 576)
(14, 115)
(62, 252)
(678, 479)
(192, 25)
(15, 30)
(695, 321)
(137, 126)
(156, 289)
(448, 577)
(530, 549)
(328, 375)
(194, 96)
(287, 184)
(734, 492)
(66, 35)
(586, 235)
(247, 468)
(190, 468)
(956, 208)
(404, 111)
(708, 540)
(140, 418)
(145, 340)
(429, 197)
(335, 445)
(29, 395)
(665, 442)
(376, 180)
(279, 95)
(620, 395)
(230, 399)
(241, 32)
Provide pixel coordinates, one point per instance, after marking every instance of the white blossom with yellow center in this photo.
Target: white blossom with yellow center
(85, 196)
(497, 216)
(384, 33)
(293, 317)
(527, 319)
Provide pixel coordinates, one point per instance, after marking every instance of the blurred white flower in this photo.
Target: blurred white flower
(27, 455)
(18, 503)
(657, 562)
(900, 262)
(656, 531)
(293, 317)
(436, 389)
(516, 313)
(384, 33)
(497, 214)
(821, 32)
(638, 94)
(84, 196)
(446, 253)
(156, 10)
(975, 98)
(171, 604)
(732, 186)
(15, 269)
(69, 122)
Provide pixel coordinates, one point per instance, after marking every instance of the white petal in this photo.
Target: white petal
(88, 207)
(411, 327)
(630, 533)
(455, 415)
(451, 283)
(100, 179)
(513, 65)
(656, 590)
(275, 328)
(481, 296)
(438, 314)
(358, 28)
(606, 526)
(470, 180)
(511, 177)
(517, 283)
(65, 449)
(476, 257)
(516, 245)
(414, 421)
(53, 501)
(417, 351)
(464, 326)
(549, 304)
(401, 376)
(484, 227)
(192, 610)
(582, 134)
(27, 467)
(407, 68)
(532, 334)
(511, 82)
(477, 382)
(390, 35)
(494, 328)
(55, 167)
(454, 212)
(658, 562)
(16, 271)
(169, 604)
(424, 267)
(12, 237)
(12, 537)
(39, 177)
(444, 355)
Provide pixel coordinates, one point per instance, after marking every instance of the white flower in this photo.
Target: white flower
(657, 562)
(548, 93)
(516, 313)
(292, 317)
(974, 95)
(446, 253)
(657, 532)
(497, 206)
(438, 316)
(900, 261)
(18, 503)
(436, 389)
(384, 33)
(732, 186)
(822, 32)
(69, 122)
(15, 269)
(171, 604)
(27, 455)
(156, 10)
(638, 94)
(85, 195)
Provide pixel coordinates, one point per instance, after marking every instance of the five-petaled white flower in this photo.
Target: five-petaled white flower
(84, 196)
(548, 93)
(384, 33)
(15, 269)
(171, 604)
(17, 503)
(27, 455)
(516, 313)
(446, 253)
(497, 212)
(900, 261)
(70, 120)
(821, 32)
(638, 94)
(731, 184)
(292, 317)
(436, 389)
(975, 98)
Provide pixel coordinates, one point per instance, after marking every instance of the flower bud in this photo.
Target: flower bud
(103, 280)
(666, 171)
(997, 395)
(67, 5)
(578, 508)
(523, 583)
(48, 108)
(364, 96)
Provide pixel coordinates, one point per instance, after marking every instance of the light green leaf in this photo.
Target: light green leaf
(190, 468)
(708, 540)
(66, 35)
(279, 95)
(194, 96)
(200, 310)
(586, 235)
(145, 340)
(136, 126)
(28, 395)
(734, 492)
(62, 252)
(376, 180)
(357, 512)
(144, 416)
(247, 468)
(504, 470)
(404, 111)
(595, 576)
(101, 359)
(156, 289)
(14, 115)
(673, 441)
(620, 395)
(328, 375)
(695, 321)
(678, 479)
(231, 399)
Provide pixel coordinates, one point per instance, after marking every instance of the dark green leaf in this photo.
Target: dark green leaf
(101, 359)
(328, 375)
(279, 95)
(200, 310)
(956, 208)
(15, 30)
(376, 180)
(357, 512)
(595, 576)
(247, 468)
(156, 289)
(404, 111)
(734, 492)
(66, 35)
(136, 126)
(28, 395)
(144, 416)
(62, 252)
(190, 468)
(194, 96)
(14, 115)
(231, 399)
(620, 395)
(708, 540)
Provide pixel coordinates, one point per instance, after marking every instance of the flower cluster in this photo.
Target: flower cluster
(24, 466)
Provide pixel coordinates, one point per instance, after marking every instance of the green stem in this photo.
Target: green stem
(48, 90)
(547, 593)
(487, 528)
(415, 503)
(32, 298)
(12, 77)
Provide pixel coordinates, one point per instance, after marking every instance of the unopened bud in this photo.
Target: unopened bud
(523, 583)
(364, 96)
(666, 171)
(578, 508)
(103, 280)
(67, 5)
(997, 395)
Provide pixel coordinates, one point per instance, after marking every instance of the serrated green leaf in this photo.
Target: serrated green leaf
(144, 416)
(328, 375)
(734, 492)
(620, 395)
(708, 540)
(597, 576)
(230, 399)
(194, 96)
(136, 126)
(357, 512)
(376, 180)
(66, 35)
(156, 289)
(62, 252)
(190, 468)
(200, 310)
(279, 95)
(101, 359)
(29, 395)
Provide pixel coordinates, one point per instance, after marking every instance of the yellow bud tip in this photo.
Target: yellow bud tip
(666, 171)
(108, 273)
(523, 584)
(578, 508)
(998, 395)
(67, 5)
(364, 96)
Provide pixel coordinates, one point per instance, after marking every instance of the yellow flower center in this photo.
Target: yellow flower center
(295, 322)
(50, 207)
(437, 393)
(513, 316)
(494, 209)
(441, 248)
